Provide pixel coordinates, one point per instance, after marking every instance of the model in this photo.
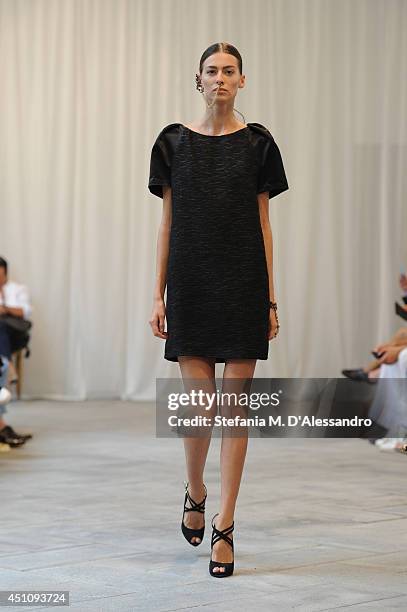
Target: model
(215, 257)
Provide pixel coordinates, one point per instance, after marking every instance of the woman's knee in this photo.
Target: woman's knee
(240, 368)
(197, 367)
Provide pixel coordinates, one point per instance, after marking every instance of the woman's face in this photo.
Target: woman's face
(221, 67)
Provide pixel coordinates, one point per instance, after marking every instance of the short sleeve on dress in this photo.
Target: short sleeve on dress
(271, 176)
(160, 165)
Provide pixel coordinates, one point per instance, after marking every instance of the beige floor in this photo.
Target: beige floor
(93, 503)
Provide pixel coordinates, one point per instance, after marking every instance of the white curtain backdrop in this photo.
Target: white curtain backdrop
(85, 87)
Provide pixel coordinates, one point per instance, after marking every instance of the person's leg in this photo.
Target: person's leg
(4, 364)
(402, 361)
(12, 374)
(5, 346)
(196, 448)
(371, 366)
(18, 340)
(5, 359)
(233, 453)
(3, 411)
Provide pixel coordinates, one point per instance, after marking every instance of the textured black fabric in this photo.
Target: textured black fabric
(217, 302)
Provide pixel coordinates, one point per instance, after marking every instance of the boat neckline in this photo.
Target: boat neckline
(215, 135)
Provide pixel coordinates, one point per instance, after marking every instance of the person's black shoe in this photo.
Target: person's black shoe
(217, 535)
(195, 507)
(11, 432)
(358, 374)
(12, 441)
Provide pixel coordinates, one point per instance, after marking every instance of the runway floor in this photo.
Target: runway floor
(93, 504)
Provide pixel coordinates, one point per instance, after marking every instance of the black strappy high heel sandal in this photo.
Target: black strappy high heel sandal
(216, 536)
(193, 533)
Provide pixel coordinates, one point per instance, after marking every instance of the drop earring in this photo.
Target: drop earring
(201, 90)
(199, 84)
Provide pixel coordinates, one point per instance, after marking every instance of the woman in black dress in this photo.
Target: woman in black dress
(215, 256)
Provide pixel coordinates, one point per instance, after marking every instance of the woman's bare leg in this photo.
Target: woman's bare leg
(196, 448)
(232, 455)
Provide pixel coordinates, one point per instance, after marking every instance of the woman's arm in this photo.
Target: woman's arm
(12, 310)
(157, 320)
(163, 242)
(263, 202)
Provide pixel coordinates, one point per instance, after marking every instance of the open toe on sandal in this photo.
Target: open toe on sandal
(217, 535)
(195, 507)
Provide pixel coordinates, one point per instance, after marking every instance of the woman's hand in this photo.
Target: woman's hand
(391, 354)
(273, 324)
(381, 348)
(157, 319)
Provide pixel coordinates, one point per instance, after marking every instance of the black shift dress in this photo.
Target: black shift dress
(217, 302)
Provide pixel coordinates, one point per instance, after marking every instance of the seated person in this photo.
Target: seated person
(14, 301)
(371, 371)
(389, 407)
(390, 350)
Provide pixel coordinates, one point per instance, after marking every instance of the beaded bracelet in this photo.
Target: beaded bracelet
(273, 305)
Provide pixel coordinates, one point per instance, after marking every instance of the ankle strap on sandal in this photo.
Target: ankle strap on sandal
(218, 534)
(197, 507)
